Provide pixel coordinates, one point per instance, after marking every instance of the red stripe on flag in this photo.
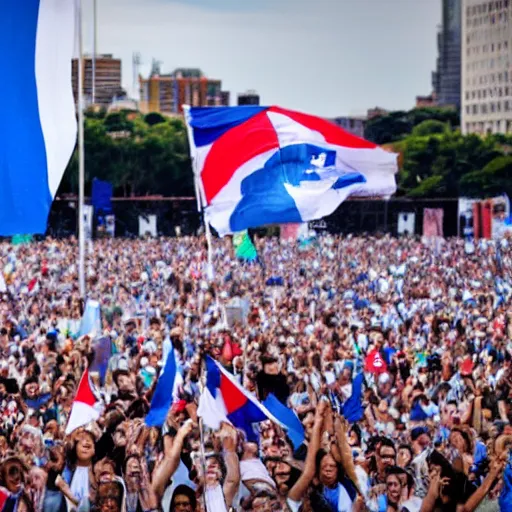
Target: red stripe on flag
(333, 134)
(233, 398)
(236, 147)
(84, 392)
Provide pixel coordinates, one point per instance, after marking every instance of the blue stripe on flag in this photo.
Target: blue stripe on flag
(353, 409)
(163, 397)
(210, 124)
(288, 418)
(25, 198)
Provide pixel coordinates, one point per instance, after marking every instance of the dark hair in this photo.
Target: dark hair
(183, 490)
(71, 457)
(320, 455)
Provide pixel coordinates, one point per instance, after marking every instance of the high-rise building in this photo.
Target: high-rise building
(487, 66)
(446, 78)
(107, 81)
(168, 93)
(249, 98)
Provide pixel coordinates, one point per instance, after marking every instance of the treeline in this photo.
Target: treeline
(140, 155)
(436, 160)
(148, 155)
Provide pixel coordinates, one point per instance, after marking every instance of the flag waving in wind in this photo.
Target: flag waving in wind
(86, 407)
(225, 400)
(38, 129)
(267, 165)
(165, 393)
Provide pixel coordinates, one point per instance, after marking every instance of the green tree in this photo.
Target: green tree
(430, 127)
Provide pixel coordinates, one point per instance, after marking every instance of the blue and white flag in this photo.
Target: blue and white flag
(38, 129)
(165, 393)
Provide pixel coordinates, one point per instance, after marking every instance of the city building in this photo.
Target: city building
(225, 98)
(375, 112)
(426, 101)
(249, 98)
(168, 93)
(107, 81)
(446, 79)
(487, 67)
(354, 125)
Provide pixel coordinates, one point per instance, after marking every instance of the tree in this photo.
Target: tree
(154, 118)
(430, 127)
(398, 125)
(136, 157)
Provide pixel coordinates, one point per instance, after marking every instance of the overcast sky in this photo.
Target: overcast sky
(325, 57)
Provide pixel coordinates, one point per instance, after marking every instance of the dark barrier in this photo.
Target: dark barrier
(355, 216)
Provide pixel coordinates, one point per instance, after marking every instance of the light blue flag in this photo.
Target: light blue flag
(91, 319)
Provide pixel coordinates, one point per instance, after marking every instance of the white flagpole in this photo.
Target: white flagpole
(81, 157)
(95, 49)
(200, 193)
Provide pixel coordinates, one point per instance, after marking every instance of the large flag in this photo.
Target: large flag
(225, 400)
(38, 129)
(267, 165)
(85, 408)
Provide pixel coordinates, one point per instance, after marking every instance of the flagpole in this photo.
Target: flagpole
(199, 191)
(94, 50)
(81, 158)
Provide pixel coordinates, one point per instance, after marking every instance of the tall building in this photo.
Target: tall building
(107, 83)
(168, 93)
(446, 78)
(249, 98)
(487, 67)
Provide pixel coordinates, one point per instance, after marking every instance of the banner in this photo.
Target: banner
(489, 218)
(244, 248)
(237, 311)
(501, 222)
(466, 218)
(433, 222)
(406, 223)
(88, 216)
(147, 225)
(110, 225)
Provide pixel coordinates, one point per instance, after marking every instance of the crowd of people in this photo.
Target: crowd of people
(394, 355)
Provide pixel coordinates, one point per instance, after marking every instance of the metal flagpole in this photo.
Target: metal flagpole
(81, 157)
(95, 49)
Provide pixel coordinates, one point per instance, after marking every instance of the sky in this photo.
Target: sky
(325, 57)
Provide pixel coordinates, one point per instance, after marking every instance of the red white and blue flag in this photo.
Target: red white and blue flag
(225, 400)
(256, 166)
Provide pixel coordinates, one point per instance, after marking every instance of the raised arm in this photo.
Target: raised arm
(299, 489)
(168, 466)
(232, 482)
